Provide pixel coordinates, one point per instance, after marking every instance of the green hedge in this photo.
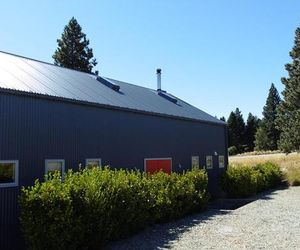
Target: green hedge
(270, 176)
(244, 181)
(95, 205)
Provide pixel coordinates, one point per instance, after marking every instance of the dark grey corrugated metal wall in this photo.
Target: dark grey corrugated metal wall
(9, 231)
(32, 130)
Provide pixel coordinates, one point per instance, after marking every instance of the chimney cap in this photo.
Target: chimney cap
(158, 71)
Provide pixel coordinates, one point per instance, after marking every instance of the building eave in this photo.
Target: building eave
(104, 106)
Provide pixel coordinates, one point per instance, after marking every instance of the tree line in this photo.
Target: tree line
(254, 134)
(280, 126)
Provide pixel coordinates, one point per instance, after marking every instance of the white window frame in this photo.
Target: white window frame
(221, 166)
(55, 160)
(93, 159)
(16, 182)
(212, 163)
(167, 158)
(195, 156)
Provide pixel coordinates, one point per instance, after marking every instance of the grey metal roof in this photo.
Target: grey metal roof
(32, 76)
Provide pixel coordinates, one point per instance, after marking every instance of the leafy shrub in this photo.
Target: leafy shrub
(244, 181)
(95, 205)
(232, 150)
(240, 181)
(176, 195)
(270, 175)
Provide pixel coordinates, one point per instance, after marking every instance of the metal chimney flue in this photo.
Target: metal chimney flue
(158, 73)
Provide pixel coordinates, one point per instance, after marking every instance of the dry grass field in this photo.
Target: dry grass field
(290, 164)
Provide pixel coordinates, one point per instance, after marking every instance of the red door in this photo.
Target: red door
(155, 165)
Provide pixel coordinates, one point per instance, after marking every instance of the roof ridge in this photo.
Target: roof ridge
(25, 57)
(51, 64)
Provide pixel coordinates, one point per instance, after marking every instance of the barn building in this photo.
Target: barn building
(56, 118)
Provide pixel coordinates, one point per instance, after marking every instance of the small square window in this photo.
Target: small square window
(221, 161)
(9, 173)
(89, 163)
(195, 161)
(209, 162)
(52, 166)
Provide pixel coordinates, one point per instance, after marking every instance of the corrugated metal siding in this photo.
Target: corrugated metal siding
(8, 196)
(9, 224)
(33, 129)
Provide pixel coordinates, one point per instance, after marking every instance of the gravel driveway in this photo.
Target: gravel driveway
(270, 222)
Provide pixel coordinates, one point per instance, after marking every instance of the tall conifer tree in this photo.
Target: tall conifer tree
(288, 120)
(231, 125)
(73, 49)
(261, 139)
(268, 135)
(236, 129)
(250, 131)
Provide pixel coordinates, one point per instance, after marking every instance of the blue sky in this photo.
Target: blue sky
(216, 55)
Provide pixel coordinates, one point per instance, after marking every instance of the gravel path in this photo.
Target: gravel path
(270, 222)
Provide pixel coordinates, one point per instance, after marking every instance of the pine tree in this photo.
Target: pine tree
(268, 126)
(231, 124)
(288, 120)
(250, 131)
(236, 129)
(261, 139)
(73, 49)
(223, 119)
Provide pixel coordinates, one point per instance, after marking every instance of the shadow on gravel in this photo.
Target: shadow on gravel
(160, 236)
(269, 194)
(232, 204)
